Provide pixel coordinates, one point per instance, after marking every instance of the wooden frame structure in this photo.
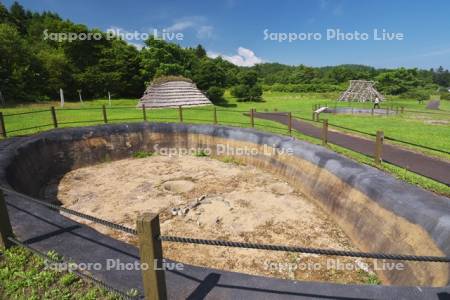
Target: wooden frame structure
(361, 91)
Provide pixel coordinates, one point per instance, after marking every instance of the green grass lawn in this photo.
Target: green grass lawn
(23, 275)
(416, 125)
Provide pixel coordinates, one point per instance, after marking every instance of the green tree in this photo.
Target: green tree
(209, 74)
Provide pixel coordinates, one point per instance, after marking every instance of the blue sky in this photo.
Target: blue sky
(235, 28)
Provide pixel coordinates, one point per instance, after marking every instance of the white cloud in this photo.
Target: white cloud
(244, 57)
(204, 32)
(180, 26)
(335, 7)
(198, 24)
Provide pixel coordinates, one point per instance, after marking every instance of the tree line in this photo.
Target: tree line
(33, 68)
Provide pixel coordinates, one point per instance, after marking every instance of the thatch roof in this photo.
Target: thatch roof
(173, 93)
(361, 91)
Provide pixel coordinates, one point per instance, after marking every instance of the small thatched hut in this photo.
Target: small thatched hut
(173, 92)
(361, 91)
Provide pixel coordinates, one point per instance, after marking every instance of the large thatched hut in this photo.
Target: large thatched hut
(172, 92)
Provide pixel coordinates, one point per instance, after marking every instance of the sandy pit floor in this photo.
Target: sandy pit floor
(224, 200)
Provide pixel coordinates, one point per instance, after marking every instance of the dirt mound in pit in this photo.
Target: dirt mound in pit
(211, 199)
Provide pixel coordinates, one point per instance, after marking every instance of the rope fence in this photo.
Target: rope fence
(306, 250)
(150, 247)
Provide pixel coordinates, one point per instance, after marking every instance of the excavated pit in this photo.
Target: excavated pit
(206, 198)
(360, 207)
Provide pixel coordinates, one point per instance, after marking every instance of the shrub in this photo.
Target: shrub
(215, 94)
(304, 88)
(445, 96)
(255, 92)
(247, 93)
(416, 94)
(239, 91)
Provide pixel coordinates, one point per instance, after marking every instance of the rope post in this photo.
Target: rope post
(144, 113)
(290, 123)
(313, 116)
(387, 110)
(5, 224)
(252, 117)
(318, 117)
(402, 109)
(325, 132)
(371, 112)
(150, 251)
(180, 112)
(55, 121)
(105, 117)
(379, 147)
(2, 125)
(215, 115)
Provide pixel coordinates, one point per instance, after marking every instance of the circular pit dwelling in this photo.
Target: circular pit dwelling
(366, 208)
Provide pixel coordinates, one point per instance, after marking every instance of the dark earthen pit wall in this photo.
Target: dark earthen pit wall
(378, 212)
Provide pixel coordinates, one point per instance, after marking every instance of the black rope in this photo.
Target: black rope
(332, 252)
(72, 212)
(96, 281)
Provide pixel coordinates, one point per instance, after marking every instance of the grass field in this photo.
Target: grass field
(416, 125)
(24, 275)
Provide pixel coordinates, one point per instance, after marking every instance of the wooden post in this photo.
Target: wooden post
(2, 125)
(144, 113)
(215, 115)
(61, 96)
(371, 111)
(313, 116)
(180, 112)
(402, 109)
(81, 98)
(290, 123)
(150, 252)
(55, 121)
(379, 147)
(105, 117)
(325, 132)
(387, 110)
(252, 118)
(5, 224)
(318, 117)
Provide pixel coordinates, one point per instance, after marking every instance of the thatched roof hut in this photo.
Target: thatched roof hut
(361, 91)
(173, 92)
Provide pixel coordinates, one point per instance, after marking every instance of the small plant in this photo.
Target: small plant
(373, 279)
(68, 279)
(142, 154)
(53, 255)
(201, 153)
(132, 293)
(231, 160)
